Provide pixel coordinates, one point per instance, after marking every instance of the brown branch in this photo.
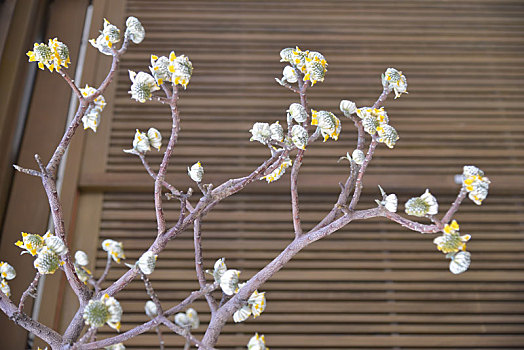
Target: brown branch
(363, 167)
(71, 83)
(27, 171)
(98, 284)
(294, 193)
(186, 334)
(29, 291)
(197, 238)
(152, 294)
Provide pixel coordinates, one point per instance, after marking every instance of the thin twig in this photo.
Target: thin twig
(197, 238)
(27, 171)
(98, 285)
(29, 291)
(71, 83)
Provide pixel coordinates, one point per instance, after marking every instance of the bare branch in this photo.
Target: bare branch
(71, 83)
(27, 171)
(197, 238)
(186, 334)
(98, 284)
(29, 292)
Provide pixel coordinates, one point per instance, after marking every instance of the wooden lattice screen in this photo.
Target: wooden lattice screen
(372, 285)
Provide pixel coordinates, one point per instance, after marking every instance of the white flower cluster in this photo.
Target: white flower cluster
(229, 283)
(114, 249)
(476, 183)
(311, 64)
(422, 206)
(257, 342)
(47, 250)
(51, 56)
(375, 120)
(175, 69)
(453, 245)
(188, 319)
(7, 273)
(91, 118)
(106, 310)
(143, 142)
(278, 172)
(109, 35)
(142, 87)
(394, 80)
(134, 30)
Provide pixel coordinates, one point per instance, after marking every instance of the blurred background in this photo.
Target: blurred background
(372, 285)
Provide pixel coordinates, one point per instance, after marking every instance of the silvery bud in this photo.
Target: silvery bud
(348, 107)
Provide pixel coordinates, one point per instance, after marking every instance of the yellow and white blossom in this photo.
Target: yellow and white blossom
(460, 262)
(299, 136)
(47, 261)
(278, 172)
(328, 123)
(286, 55)
(151, 309)
(358, 156)
(142, 87)
(4, 287)
(396, 81)
(155, 138)
(218, 269)
(146, 263)
(229, 281)
(348, 107)
(476, 184)
(82, 272)
(257, 343)
(55, 244)
(315, 69)
(160, 69)
(43, 55)
(7, 271)
(106, 310)
(387, 134)
(60, 54)
(196, 172)
(31, 243)
(297, 112)
(260, 132)
(422, 206)
(372, 118)
(109, 35)
(141, 142)
(181, 69)
(91, 118)
(289, 75)
(134, 30)
(298, 59)
(242, 313)
(255, 305)
(451, 241)
(114, 248)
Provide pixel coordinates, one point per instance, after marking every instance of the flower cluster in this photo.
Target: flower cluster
(143, 142)
(175, 69)
(106, 310)
(7, 272)
(229, 283)
(114, 249)
(299, 136)
(327, 122)
(47, 250)
(311, 64)
(453, 245)
(109, 35)
(142, 87)
(296, 112)
(394, 80)
(375, 120)
(188, 319)
(257, 342)
(476, 183)
(51, 56)
(146, 263)
(278, 172)
(91, 118)
(255, 305)
(80, 264)
(422, 206)
(196, 172)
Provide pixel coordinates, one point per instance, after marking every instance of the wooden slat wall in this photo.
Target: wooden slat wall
(372, 285)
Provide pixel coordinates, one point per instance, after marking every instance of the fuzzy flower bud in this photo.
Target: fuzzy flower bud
(348, 107)
(4, 287)
(387, 134)
(277, 132)
(476, 184)
(135, 31)
(151, 309)
(60, 53)
(196, 172)
(91, 118)
(147, 262)
(394, 79)
(286, 55)
(55, 244)
(257, 343)
(43, 55)
(81, 258)
(328, 123)
(358, 156)
(155, 138)
(181, 69)
(299, 136)
(111, 33)
(261, 132)
(460, 262)
(160, 69)
(142, 87)
(31, 243)
(297, 112)
(47, 261)
(422, 206)
(278, 172)
(289, 75)
(141, 142)
(229, 281)
(218, 269)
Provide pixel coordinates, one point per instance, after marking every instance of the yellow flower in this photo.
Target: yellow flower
(114, 248)
(451, 241)
(328, 123)
(278, 172)
(31, 243)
